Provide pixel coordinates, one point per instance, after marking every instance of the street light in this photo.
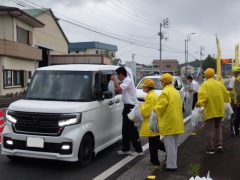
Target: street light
(186, 51)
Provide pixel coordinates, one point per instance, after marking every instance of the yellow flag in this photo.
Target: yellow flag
(237, 55)
(219, 74)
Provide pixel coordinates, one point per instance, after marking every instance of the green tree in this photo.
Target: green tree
(209, 62)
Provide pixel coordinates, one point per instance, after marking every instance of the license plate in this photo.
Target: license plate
(35, 142)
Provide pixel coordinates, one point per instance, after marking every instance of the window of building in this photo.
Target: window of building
(77, 52)
(16, 78)
(23, 35)
(7, 78)
(97, 52)
(29, 74)
(12, 78)
(168, 66)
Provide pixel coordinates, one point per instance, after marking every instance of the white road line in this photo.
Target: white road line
(124, 161)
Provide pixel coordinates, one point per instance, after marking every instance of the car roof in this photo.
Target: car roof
(157, 76)
(78, 67)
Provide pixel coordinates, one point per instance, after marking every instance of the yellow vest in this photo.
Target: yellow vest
(211, 95)
(146, 109)
(169, 111)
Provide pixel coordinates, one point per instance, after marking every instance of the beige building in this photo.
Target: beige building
(163, 66)
(51, 39)
(27, 39)
(18, 56)
(93, 48)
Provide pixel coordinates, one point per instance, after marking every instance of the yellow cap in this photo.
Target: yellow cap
(236, 69)
(209, 73)
(148, 83)
(151, 177)
(166, 78)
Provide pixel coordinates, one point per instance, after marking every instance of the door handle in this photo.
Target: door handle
(117, 101)
(110, 103)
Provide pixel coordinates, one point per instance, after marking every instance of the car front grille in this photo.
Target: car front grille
(37, 123)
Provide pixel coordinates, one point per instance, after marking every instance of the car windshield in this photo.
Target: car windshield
(60, 86)
(157, 82)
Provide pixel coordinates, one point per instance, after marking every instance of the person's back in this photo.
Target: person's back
(169, 108)
(212, 95)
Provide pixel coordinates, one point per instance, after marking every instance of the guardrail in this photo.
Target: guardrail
(2, 122)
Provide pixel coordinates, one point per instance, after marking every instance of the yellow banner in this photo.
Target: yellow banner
(237, 55)
(219, 74)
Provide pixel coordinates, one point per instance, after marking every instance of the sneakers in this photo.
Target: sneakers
(219, 148)
(121, 152)
(134, 153)
(210, 151)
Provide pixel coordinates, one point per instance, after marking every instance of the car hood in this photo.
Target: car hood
(141, 95)
(49, 106)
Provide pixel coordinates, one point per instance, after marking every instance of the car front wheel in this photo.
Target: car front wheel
(85, 153)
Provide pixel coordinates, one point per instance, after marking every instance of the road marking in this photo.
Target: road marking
(125, 161)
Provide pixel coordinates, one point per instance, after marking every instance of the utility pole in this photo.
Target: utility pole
(133, 55)
(164, 24)
(186, 52)
(201, 55)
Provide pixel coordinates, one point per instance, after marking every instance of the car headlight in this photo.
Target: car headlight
(70, 119)
(10, 118)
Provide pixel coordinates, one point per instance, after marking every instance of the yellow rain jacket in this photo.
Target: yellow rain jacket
(169, 111)
(211, 95)
(146, 109)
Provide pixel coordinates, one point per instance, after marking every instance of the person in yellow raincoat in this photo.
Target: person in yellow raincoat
(146, 108)
(211, 95)
(170, 119)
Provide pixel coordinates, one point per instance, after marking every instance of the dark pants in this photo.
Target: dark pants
(129, 131)
(214, 126)
(155, 144)
(194, 100)
(237, 120)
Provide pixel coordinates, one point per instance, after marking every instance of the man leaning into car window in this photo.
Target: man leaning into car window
(129, 97)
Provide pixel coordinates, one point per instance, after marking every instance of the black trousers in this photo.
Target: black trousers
(237, 120)
(194, 100)
(129, 131)
(155, 144)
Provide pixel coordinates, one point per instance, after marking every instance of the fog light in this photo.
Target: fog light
(65, 147)
(9, 142)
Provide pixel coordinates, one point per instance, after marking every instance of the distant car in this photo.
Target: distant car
(177, 82)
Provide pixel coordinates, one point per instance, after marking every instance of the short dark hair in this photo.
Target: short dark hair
(189, 77)
(122, 70)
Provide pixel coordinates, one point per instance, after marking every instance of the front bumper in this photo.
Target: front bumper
(16, 144)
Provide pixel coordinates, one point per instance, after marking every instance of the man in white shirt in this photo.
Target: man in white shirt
(129, 97)
(193, 89)
(230, 88)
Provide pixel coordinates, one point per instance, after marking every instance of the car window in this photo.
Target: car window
(158, 84)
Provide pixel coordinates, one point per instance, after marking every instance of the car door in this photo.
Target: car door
(109, 106)
(115, 123)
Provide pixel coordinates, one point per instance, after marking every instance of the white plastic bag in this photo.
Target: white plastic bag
(202, 178)
(135, 115)
(197, 116)
(153, 122)
(228, 111)
(131, 115)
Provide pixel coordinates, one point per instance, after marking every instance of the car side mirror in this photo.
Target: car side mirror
(178, 87)
(107, 95)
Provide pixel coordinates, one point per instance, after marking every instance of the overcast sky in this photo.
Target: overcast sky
(137, 21)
